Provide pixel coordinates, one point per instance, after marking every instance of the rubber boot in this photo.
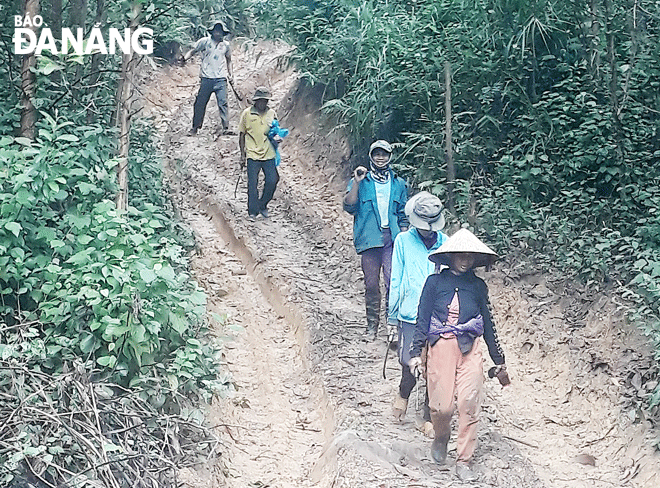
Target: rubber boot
(442, 430)
(439, 449)
(373, 317)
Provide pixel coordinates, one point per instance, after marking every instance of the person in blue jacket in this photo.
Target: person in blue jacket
(376, 198)
(410, 268)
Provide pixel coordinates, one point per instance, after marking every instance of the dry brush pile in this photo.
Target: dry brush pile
(68, 430)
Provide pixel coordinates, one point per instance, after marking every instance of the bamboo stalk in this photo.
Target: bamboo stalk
(449, 153)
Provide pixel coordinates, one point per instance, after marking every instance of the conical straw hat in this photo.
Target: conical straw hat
(464, 241)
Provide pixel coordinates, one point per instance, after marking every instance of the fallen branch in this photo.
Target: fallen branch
(520, 441)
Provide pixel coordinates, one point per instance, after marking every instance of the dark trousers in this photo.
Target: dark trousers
(271, 177)
(373, 260)
(406, 332)
(206, 87)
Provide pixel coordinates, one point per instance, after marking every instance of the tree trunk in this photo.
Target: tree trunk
(124, 124)
(29, 79)
(78, 13)
(613, 86)
(449, 153)
(96, 62)
(124, 98)
(78, 16)
(56, 29)
(594, 40)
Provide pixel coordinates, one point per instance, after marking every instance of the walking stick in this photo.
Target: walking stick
(387, 350)
(390, 339)
(418, 377)
(231, 83)
(238, 180)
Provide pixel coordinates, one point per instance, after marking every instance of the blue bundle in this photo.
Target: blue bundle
(275, 136)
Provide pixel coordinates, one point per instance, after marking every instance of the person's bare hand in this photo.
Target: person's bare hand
(415, 365)
(359, 174)
(500, 373)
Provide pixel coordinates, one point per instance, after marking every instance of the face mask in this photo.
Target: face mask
(380, 173)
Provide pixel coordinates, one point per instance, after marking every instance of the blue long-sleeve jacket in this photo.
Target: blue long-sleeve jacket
(434, 303)
(410, 268)
(367, 231)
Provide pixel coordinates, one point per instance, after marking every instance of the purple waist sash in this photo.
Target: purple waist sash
(474, 327)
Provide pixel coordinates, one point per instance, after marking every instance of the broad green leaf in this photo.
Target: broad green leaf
(68, 137)
(198, 297)
(14, 227)
(87, 344)
(23, 141)
(49, 67)
(108, 361)
(34, 451)
(178, 324)
(148, 275)
(167, 273)
(84, 239)
(79, 221)
(24, 197)
(118, 253)
(17, 253)
(86, 188)
(82, 257)
(138, 332)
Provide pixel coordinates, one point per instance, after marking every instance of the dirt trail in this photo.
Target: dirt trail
(311, 406)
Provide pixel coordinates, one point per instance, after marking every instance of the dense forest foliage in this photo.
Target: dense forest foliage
(104, 357)
(555, 120)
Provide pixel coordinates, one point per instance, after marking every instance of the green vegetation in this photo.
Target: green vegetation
(105, 357)
(556, 120)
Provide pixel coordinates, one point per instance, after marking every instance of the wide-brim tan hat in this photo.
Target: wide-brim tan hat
(424, 211)
(464, 241)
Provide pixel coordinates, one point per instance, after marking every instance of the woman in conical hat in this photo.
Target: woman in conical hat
(453, 316)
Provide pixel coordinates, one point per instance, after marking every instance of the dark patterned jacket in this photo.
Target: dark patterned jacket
(433, 310)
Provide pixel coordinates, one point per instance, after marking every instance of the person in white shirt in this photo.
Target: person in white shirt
(215, 70)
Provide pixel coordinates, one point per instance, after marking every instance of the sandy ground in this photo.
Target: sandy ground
(311, 407)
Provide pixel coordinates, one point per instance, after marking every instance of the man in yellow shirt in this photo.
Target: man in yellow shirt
(253, 127)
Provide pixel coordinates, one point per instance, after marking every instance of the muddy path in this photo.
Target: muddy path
(311, 407)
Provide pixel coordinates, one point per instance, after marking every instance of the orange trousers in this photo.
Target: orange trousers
(449, 374)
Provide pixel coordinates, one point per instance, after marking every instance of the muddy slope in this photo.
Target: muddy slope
(312, 407)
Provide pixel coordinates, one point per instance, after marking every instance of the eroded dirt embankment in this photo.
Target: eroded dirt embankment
(311, 407)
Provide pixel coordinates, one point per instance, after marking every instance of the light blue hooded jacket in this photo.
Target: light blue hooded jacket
(410, 268)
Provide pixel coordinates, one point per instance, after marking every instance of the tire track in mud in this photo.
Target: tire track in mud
(279, 413)
(312, 408)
